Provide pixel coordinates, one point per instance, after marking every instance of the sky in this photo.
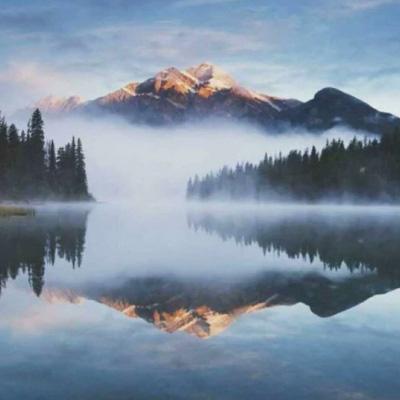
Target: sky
(286, 48)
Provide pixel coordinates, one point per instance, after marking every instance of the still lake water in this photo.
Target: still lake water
(185, 302)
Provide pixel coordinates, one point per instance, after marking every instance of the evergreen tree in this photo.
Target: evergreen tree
(37, 150)
(52, 168)
(3, 156)
(13, 144)
(12, 160)
(81, 178)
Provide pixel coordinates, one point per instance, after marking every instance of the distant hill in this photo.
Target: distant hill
(331, 107)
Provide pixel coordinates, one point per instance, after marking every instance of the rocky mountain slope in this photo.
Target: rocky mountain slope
(204, 91)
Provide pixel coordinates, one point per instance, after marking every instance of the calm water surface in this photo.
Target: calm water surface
(113, 302)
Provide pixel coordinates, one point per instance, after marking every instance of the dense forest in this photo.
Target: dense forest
(31, 168)
(366, 170)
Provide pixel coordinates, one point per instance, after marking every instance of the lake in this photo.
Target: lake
(200, 302)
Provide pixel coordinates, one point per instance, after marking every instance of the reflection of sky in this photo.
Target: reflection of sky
(285, 48)
(89, 351)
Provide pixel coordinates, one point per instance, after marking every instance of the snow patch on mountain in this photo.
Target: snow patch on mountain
(212, 76)
(51, 104)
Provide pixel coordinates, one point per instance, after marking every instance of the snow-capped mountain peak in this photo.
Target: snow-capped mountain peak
(173, 78)
(213, 76)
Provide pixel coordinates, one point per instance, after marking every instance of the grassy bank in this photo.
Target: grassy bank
(14, 211)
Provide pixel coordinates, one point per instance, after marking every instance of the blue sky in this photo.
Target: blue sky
(288, 48)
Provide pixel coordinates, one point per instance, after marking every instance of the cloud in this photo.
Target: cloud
(362, 5)
(348, 8)
(171, 42)
(24, 21)
(197, 3)
(32, 75)
(22, 83)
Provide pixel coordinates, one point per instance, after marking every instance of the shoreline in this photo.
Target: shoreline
(9, 210)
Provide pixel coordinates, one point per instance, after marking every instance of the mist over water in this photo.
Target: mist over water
(145, 165)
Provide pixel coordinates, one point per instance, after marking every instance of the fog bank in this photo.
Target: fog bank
(147, 165)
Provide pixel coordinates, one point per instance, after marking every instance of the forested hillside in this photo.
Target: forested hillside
(31, 168)
(367, 170)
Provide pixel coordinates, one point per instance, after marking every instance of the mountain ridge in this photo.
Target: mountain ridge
(173, 96)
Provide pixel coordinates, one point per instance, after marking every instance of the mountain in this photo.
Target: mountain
(174, 96)
(331, 107)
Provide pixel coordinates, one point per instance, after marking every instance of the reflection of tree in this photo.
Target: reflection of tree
(27, 245)
(362, 241)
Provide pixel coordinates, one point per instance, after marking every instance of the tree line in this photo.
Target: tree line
(364, 170)
(31, 168)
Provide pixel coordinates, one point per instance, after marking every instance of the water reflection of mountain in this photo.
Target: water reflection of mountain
(205, 307)
(27, 245)
(360, 240)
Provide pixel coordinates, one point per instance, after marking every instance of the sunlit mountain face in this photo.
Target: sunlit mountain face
(338, 260)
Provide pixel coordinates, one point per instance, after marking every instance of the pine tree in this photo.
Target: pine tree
(37, 150)
(52, 168)
(13, 144)
(81, 178)
(13, 161)
(3, 156)
(61, 171)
